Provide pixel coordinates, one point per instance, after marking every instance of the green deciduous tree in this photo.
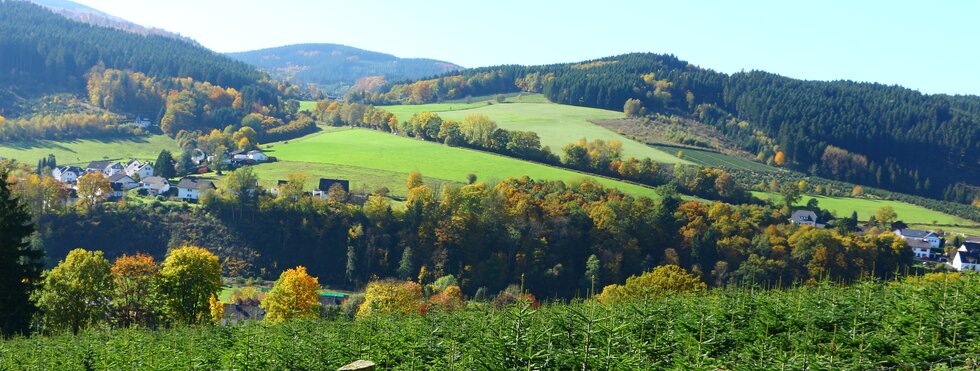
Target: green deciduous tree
(190, 275)
(77, 292)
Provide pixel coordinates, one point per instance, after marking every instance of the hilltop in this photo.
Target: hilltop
(338, 68)
(85, 14)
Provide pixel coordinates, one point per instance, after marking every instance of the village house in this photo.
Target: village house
(967, 257)
(137, 169)
(257, 156)
(806, 217)
(124, 181)
(108, 168)
(192, 188)
(323, 187)
(142, 122)
(930, 237)
(155, 185)
(279, 184)
(67, 174)
(239, 313)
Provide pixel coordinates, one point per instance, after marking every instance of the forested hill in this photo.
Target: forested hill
(42, 52)
(85, 14)
(885, 136)
(337, 68)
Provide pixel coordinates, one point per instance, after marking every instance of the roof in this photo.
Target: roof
(156, 182)
(913, 233)
(70, 168)
(254, 151)
(919, 244)
(281, 182)
(804, 216)
(115, 165)
(119, 176)
(98, 165)
(326, 183)
(969, 252)
(195, 183)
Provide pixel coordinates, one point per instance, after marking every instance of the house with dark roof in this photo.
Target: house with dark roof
(967, 257)
(323, 187)
(806, 217)
(97, 166)
(191, 188)
(932, 238)
(923, 250)
(124, 181)
(239, 313)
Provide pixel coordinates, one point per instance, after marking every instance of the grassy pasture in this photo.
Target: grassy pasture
(556, 124)
(82, 151)
(371, 159)
(909, 213)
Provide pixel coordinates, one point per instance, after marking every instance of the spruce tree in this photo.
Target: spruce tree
(20, 265)
(164, 166)
(405, 269)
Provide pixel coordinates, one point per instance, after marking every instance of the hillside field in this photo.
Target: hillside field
(556, 124)
(82, 151)
(715, 159)
(389, 158)
(911, 214)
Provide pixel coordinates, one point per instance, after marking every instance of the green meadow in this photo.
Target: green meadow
(373, 158)
(865, 208)
(81, 151)
(556, 124)
(715, 159)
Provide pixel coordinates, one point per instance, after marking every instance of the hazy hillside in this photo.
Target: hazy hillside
(337, 67)
(43, 53)
(82, 13)
(885, 136)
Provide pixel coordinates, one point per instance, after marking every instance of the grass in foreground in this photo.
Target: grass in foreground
(901, 325)
(361, 150)
(81, 151)
(909, 213)
(556, 124)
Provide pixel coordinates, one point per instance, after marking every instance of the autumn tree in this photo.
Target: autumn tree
(77, 292)
(779, 159)
(92, 189)
(190, 275)
(425, 125)
(663, 280)
(886, 215)
(857, 191)
(135, 298)
(632, 107)
(216, 309)
(294, 295)
(20, 264)
(414, 180)
(389, 296)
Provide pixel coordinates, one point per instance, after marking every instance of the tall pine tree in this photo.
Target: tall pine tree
(20, 265)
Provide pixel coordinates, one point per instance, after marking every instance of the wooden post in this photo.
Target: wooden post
(359, 365)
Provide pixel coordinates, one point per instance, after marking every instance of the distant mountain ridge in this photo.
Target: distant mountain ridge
(85, 14)
(337, 68)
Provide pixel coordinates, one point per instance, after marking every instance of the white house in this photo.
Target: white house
(67, 174)
(806, 217)
(97, 167)
(142, 122)
(113, 169)
(124, 181)
(238, 155)
(135, 168)
(967, 257)
(155, 185)
(192, 188)
(257, 156)
(930, 237)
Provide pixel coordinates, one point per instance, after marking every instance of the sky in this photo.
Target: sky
(930, 46)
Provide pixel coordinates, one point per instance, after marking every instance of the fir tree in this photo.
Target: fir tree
(20, 264)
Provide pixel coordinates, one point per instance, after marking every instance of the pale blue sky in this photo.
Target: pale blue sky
(931, 46)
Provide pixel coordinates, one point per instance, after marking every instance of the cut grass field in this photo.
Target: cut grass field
(81, 152)
(372, 158)
(556, 124)
(909, 213)
(715, 159)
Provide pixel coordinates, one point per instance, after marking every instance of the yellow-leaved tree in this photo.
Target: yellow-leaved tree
(190, 275)
(390, 296)
(217, 309)
(659, 282)
(293, 296)
(76, 293)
